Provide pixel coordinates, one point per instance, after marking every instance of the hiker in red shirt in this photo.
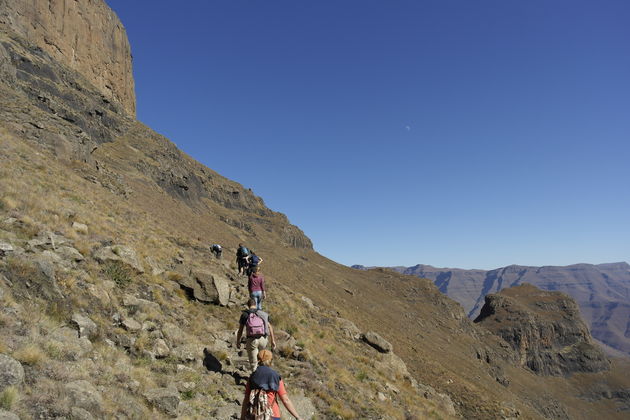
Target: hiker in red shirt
(263, 389)
(256, 286)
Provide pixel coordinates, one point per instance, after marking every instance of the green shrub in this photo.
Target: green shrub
(8, 398)
(118, 273)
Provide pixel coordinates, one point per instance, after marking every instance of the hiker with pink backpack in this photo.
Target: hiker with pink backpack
(257, 327)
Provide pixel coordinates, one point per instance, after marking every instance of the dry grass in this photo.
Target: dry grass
(30, 354)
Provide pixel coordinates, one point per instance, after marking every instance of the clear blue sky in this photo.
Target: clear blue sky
(457, 133)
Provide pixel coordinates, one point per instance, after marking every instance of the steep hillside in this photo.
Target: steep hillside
(602, 291)
(113, 307)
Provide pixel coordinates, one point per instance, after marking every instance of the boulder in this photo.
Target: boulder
(74, 347)
(5, 248)
(80, 414)
(86, 327)
(164, 399)
(156, 270)
(80, 228)
(206, 287)
(121, 253)
(69, 253)
(160, 348)
(227, 412)
(378, 342)
(84, 395)
(11, 372)
(7, 415)
(131, 325)
(135, 304)
(349, 329)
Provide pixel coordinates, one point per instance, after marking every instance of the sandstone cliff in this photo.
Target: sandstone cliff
(84, 35)
(544, 328)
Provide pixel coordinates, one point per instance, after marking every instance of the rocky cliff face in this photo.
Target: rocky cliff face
(84, 35)
(544, 328)
(602, 291)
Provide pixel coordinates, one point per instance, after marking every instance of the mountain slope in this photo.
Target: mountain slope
(112, 305)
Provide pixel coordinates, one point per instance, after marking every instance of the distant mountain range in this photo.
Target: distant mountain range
(602, 291)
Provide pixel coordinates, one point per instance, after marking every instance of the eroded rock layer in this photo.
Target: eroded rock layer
(85, 35)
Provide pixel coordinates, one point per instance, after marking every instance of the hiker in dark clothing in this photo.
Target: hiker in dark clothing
(256, 286)
(217, 250)
(257, 328)
(267, 383)
(254, 262)
(242, 258)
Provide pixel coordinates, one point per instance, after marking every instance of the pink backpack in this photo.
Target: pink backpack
(255, 325)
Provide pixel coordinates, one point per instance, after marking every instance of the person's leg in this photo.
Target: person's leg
(252, 352)
(262, 344)
(257, 296)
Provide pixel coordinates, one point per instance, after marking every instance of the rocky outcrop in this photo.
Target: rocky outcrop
(84, 35)
(545, 329)
(600, 290)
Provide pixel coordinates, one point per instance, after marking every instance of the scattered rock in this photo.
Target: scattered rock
(131, 325)
(7, 415)
(164, 399)
(227, 412)
(74, 348)
(80, 228)
(80, 414)
(70, 253)
(135, 304)
(121, 253)
(378, 342)
(85, 396)
(309, 303)
(156, 270)
(11, 372)
(161, 349)
(211, 362)
(5, 248)
(303, 405)
(349, 329)
(86, 327)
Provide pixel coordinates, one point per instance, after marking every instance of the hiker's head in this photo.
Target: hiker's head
(255, 270)
(251, 303)
(265, 357)
(240, 245)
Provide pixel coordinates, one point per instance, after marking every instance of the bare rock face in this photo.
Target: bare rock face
(84, 35)
(545, 329)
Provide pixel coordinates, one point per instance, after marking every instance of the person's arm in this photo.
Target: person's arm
(273, 338)
(289, 405)
(262, 286)
(245, 402)
(239, 334)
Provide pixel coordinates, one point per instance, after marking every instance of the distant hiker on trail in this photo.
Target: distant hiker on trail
(262, 391)
(256, 286)
(242, 258)
(217, 250)
(257, 327)
(254, 262)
